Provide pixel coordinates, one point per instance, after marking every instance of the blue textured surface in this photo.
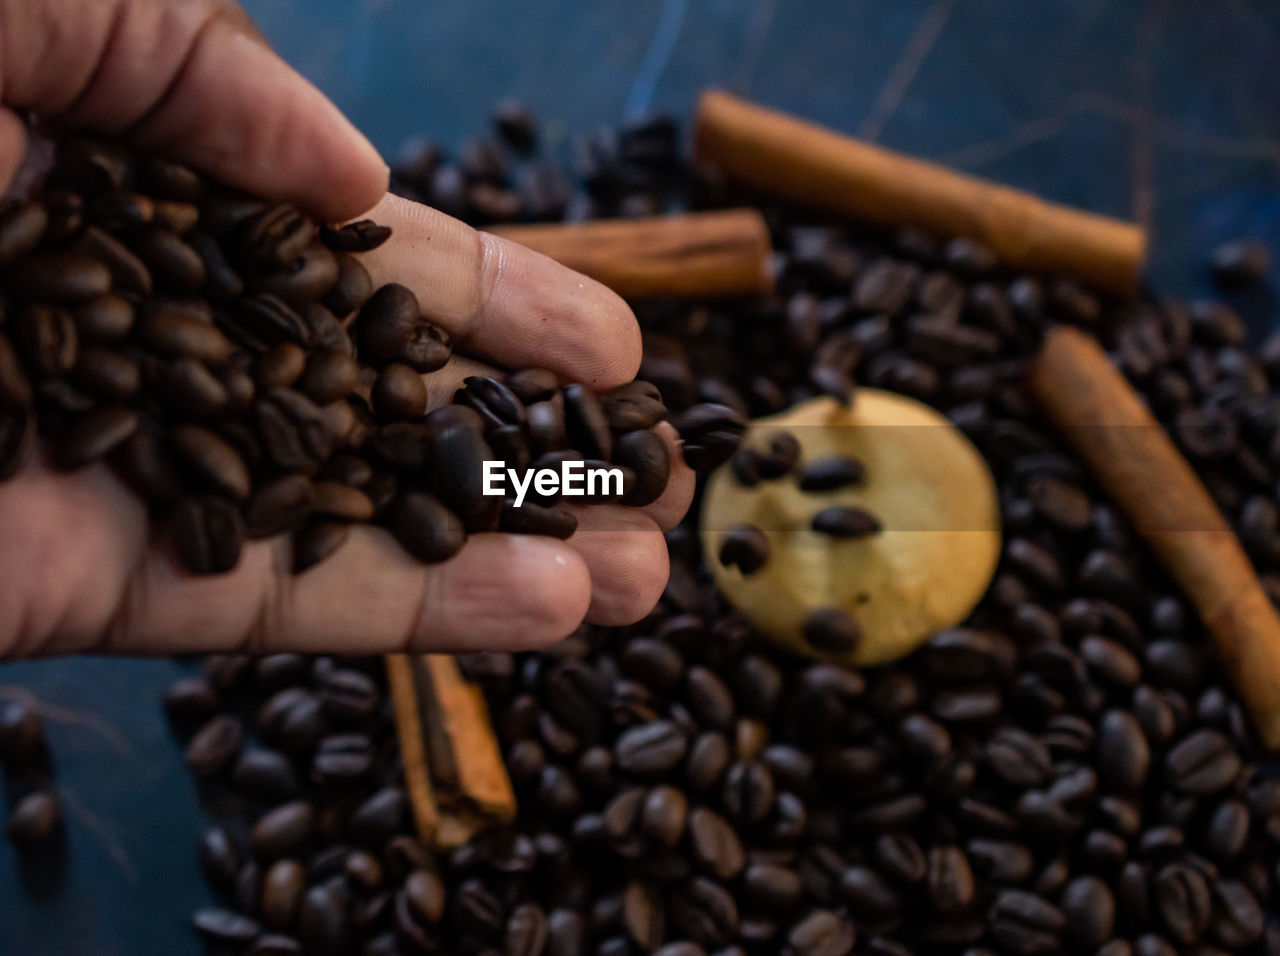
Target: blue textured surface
(1166, 111)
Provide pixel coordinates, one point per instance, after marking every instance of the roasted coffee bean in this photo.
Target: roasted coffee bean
(34, 818)
(950, 879)
(224, 927)
(1026, 924)
(1124, 756)
(215, 745)
(1201, 764)
(1181, 897)
(399, 394)
(107, 375)
(821, 933)
(844, 521)
(324, 926)
(1238, 920)
(745, 547)
(831, 630)
(1090, 912)
(1227, 830)
(710, 434)
(283, 831)
(173, 264)
(636, 406)
(650, 749)
(645, 454)
(207, 533)
(22, 225)
(47, 340)
(704, 912)
(390, 328)
(342, 757)
(280, 506)
(94, 435)
(831, 474)
(868, 894)
(1018, 758)
(213, 462)
(283, 886)
(363, 235)
(60, 277)
(265, 774)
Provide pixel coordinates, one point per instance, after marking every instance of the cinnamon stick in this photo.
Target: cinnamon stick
(698, 255)
(808, 164)
(1138, 465)
(453, 767)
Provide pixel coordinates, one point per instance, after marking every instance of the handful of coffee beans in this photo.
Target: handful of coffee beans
(231, 360)
(1066, 772)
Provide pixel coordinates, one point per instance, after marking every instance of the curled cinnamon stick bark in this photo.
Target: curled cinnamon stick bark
(1138, 465)
(785, 156)
(697, 255)
(453, 767)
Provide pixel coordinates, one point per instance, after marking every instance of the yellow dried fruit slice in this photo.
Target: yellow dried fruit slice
(926, 568)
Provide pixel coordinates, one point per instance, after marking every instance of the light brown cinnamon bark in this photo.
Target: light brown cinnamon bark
(1138, 466)
(784, 156)
(454, 772)
(695, 255)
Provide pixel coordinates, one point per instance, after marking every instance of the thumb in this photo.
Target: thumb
(189, 78)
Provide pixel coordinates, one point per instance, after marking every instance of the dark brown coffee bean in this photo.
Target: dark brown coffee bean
(399, 394)
(391, 329)
(307, 276)
(704, 912)
(425, 527)
(107, 375)
(1090, 912)
(1183, 903)
(22, 226)
(165, 329)
(1018, 758)
(60, 277)
(645, 454)
(94, 435)
(47, 340)
(745, 547)
(34, 818)
(715, 844)
(1227, 830)
(212, 461)
(831, 474)
(363, 235)
(1203, 763)
(821, 933)
(265, 774)
(1238, 921)
(173, 264)
(831, 630)
(1026, 924)
(1124, 756)
(279, 506)
(295, 434)
(329, 375)
(636, 406)
(650, 749)
(844, 521)
(283, 830)
(317, 540)
(224, 927)
(950, 879)
(643, 915)
(324, 926)
(215, 745)
(279, 366)
(710, 435)
(282, 888)
(207, 533)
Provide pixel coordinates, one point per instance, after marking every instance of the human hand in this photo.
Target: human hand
(79, 569)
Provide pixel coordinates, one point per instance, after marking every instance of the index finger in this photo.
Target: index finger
(503, 302)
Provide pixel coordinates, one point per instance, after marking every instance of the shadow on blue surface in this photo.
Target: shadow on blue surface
(1165, 111)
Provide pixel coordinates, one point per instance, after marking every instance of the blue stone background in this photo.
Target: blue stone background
(1165, 111)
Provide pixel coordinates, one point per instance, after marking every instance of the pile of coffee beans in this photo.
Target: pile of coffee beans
(35, 813)
(232, 360)
(1069, 772)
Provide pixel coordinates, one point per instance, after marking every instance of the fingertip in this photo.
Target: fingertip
(517, 593)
